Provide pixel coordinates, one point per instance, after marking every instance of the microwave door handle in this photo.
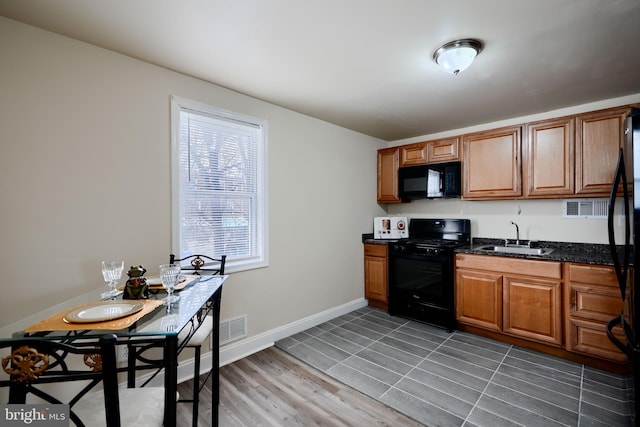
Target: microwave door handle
(443, 183)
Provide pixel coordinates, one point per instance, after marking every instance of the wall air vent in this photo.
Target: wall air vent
(585, 208)
(233, 329)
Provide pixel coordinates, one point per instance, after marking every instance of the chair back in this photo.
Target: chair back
(29, 364)
(200, 264)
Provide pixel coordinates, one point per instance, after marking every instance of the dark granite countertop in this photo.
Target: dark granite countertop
(585, 253)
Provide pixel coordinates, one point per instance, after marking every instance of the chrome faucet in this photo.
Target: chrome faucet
(517, 233)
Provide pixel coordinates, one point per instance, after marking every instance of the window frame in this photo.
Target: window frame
(260, 259)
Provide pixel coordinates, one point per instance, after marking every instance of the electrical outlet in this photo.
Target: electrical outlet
(123, 353)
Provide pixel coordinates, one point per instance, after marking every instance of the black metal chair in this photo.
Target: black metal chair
(200, 265)
(46, 369)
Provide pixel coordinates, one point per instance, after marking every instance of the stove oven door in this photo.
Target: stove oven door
(421, 288)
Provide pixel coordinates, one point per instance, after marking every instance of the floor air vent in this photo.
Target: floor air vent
(233, 329)
(585, 208)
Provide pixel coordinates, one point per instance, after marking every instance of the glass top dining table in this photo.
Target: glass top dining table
(169, 326)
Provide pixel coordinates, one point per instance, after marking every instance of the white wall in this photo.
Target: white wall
(538, 219)
(85, 175)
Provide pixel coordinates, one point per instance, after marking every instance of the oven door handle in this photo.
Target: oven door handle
(441, 257)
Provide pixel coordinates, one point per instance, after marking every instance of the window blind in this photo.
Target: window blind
(219, 168)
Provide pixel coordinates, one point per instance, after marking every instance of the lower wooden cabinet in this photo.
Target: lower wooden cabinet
(479, 299)
(593, 299)
(533, 308)
(517, 297)
(564, 306)
(375, 275)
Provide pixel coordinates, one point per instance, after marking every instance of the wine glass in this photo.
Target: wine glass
(112, 272)
(169, 274)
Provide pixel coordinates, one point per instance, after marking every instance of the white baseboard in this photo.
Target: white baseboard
(240, 349)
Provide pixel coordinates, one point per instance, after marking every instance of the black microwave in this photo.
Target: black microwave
(439, 181)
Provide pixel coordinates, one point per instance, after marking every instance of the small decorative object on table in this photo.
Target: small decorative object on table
(137, 286)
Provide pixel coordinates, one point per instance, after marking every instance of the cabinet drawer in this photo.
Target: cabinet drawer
(591, 338)
(594, 302)
(506, 265)
(595, 274)
(371, 249)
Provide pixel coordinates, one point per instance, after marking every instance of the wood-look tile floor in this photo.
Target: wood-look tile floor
(459, 379)
(272, 388)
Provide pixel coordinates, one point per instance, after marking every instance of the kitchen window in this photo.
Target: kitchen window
(218, 184)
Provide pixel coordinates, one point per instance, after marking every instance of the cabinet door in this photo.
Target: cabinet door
(599, 136)
(492, 164)
(549, 152)
(375, 275)
(413, 154)
(533, 309)
(375, 279)
(443, 150)
(388, 164)
(479, 299)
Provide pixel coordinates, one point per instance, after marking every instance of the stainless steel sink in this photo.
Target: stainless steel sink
(523, 250)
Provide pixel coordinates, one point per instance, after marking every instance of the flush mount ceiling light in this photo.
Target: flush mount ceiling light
(457, 55)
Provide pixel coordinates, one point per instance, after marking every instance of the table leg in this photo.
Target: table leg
(170, 380)
(215, 352)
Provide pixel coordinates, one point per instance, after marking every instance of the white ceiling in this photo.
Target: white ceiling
(366, 64)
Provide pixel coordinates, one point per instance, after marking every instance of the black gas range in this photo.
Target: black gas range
(421, 270)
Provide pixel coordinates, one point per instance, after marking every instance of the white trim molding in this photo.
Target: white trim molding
(240, 349)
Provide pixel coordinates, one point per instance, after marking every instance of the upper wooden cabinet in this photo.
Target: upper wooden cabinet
(599, 136)
(572, 156)
(492, 164)
(549, 153)
(443, 150)
(437, 151)
(413, 154)
(388, 164)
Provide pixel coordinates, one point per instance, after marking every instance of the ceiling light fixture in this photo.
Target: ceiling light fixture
(457, 55)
